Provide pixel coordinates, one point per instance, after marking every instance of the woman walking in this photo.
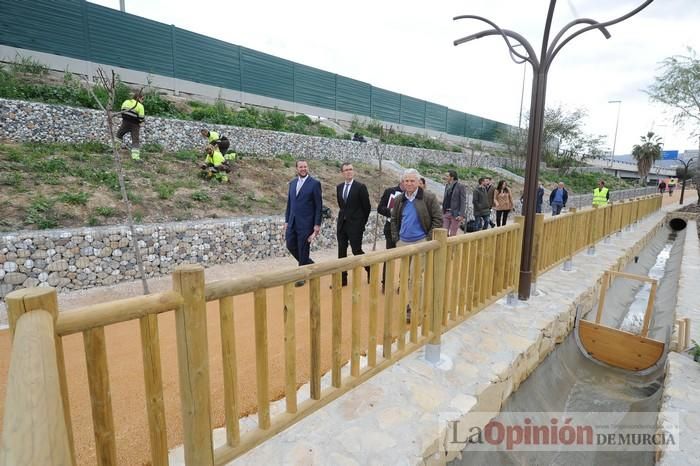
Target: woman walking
(502, 202)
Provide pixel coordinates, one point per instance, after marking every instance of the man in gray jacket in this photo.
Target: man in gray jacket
(454, 203)
(482, 207)
(416, 212)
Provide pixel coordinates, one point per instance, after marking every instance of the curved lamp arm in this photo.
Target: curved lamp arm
(498, 30)
(531, 58)
(550, 57)
(576, 22)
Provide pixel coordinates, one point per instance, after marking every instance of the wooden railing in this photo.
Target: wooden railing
(440, 282)
(558, 238)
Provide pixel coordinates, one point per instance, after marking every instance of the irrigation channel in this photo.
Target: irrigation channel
(570, 384)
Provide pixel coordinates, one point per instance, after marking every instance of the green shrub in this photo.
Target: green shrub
(200, 196)
(105, 211)
(326, 132)
(13, 179)
(165, 190)
(152, 147)
(79, 198)
(40, 213)
(92, 221)
(28, 65)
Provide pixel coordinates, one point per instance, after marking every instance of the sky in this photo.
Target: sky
(407, 47)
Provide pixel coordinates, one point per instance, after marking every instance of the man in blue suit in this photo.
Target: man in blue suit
(302, 219)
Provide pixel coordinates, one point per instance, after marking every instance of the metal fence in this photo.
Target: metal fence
(85, 31)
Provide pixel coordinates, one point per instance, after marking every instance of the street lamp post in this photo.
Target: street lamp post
(617, 124)
(685, 175)
(540, 68)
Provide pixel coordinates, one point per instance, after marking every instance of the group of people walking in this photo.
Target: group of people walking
(410, 211)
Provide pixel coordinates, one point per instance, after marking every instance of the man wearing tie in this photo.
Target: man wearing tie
(302, 219)
(353, 201)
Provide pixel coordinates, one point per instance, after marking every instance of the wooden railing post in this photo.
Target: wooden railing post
(25, 300)
(33, 430)
(193, 364)
(432, 349)
(571, 241)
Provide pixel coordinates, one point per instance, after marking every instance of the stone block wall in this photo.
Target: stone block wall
(89, 257)
(32, 121)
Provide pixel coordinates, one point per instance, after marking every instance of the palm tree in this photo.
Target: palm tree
(646, 153)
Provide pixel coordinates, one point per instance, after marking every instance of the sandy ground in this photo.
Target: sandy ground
(125, 360)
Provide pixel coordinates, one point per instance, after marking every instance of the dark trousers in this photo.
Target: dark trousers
(355, 239)
(131, 127)
(482, 221)
(298, 245)
(223, 144)
(501, 217)
(390, 244)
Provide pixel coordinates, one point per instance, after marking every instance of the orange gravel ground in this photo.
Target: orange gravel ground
(126, 368)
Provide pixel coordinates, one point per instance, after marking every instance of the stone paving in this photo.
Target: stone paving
(394, 417)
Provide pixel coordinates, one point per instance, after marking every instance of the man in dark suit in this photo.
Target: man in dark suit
(353, 201)
(302, 219)
(386, 203)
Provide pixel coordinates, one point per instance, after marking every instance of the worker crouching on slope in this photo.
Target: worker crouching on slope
(215, 139)
(133, 116)
(216, 165)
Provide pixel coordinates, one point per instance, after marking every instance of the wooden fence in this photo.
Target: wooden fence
(430, 288)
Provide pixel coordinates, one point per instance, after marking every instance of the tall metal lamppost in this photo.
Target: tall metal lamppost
(686, 164)
(617, 124)
(540, 68)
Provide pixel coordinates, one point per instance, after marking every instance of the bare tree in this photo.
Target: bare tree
(379, 149)
(109, 84)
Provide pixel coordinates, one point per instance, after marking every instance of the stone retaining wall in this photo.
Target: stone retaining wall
(32, 121)
(89, 257)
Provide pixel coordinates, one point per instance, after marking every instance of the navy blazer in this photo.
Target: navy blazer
(304, 209)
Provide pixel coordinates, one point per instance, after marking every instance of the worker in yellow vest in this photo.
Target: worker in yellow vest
(215, 165)
(133, 116)
(601, 194)
(216, 139)
(671, 186)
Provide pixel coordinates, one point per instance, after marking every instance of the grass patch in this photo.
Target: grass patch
(200, 196)
(105, 211)
(41, 213)
(79, 198)
(165, 190)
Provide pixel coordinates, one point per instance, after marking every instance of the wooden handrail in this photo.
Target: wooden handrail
(99, 315)
(222, 288)
(34, 429)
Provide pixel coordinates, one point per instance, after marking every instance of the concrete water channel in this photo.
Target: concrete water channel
(576, 389)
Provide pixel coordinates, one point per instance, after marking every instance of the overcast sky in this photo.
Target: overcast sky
(407, 47)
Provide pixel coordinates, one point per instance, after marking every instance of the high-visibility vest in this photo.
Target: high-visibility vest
(215, 158)
(133, 110)
(600, 196)
(213, 137)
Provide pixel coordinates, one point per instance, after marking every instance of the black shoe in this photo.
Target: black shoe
(299, 283)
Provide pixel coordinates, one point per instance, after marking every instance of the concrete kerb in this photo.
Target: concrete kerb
(394, 417)
(682, 385)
